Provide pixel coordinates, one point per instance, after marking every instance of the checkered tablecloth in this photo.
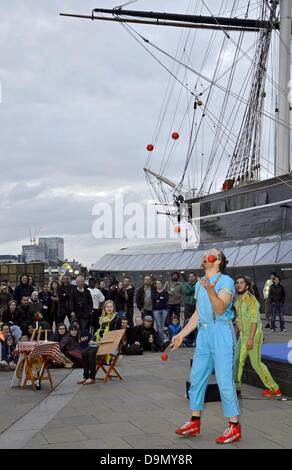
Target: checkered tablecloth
(51, 349)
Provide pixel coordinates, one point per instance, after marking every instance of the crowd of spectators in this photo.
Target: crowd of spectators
(76, 315)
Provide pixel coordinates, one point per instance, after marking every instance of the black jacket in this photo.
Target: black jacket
(69, 343)
(277, 294)
(81, 303)
(140, 296)
(10, 317)
(119, 298)
(24, 315)
(130, 300)
(142, 334)
(57, 337)
(22, 290)
(46, 302)
(159, 299)
(65, 293)
(105, 293)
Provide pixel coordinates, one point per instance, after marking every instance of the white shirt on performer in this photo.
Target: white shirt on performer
(97, 297)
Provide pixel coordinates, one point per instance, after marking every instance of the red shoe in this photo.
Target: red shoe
(231, 434)
(190, 429)
(272, 393)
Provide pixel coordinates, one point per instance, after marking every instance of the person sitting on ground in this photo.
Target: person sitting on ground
(174, 327)
(70, 346)
(8, 359)
(10, 315)
(138, 321)
(147, 336)
(4, 332)
(129, 336)
(28, 333)
(130, 347)
(117, 322)
(60, 333)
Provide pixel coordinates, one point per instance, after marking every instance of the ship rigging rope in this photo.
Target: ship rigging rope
(176, 59)
(215, 146)
(163, 165)
(221, 87)
(207, 54)
(118, 7)
(216, 71)
(235, 44)
(170, 89)
(172, 124)
(211, 86)
(239, 104)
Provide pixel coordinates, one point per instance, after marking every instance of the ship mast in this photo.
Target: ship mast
(118, 14)
(282, 161)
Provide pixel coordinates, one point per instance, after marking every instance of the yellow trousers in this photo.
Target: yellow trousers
(255, 359)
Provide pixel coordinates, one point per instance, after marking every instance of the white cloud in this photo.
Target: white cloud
(80, 103)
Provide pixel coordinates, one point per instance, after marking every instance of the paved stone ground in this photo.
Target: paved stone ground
(140, 412)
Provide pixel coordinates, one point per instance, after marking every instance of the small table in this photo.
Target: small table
(45, 351)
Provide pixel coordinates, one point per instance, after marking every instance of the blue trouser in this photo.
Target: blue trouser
(160, 318)
(280, 309)
(215, 349)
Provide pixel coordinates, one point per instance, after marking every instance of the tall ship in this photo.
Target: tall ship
(222, 136)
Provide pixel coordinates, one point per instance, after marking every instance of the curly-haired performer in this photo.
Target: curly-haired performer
(215, 347)
(251, 338)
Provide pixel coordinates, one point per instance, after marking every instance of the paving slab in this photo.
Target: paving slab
(140, 412)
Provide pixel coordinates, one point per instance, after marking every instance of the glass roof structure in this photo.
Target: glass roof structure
(273, 250)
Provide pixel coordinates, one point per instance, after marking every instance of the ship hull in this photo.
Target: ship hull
(255, 210)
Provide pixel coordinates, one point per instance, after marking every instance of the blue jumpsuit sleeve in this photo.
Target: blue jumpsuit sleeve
(227, 284)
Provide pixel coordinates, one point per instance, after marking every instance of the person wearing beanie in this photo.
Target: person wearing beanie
(147, 336)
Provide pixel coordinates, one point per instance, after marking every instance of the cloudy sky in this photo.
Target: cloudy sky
(80, 101)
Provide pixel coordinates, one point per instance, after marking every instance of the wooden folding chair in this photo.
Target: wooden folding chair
(38, 333)
(111, 344)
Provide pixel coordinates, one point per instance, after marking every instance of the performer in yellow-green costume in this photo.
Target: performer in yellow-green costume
(251, 338)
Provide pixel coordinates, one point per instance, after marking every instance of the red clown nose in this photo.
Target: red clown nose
(211, 258)
(164, 357)
(150, 147)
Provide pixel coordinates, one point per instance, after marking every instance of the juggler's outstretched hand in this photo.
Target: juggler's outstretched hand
(176, 342)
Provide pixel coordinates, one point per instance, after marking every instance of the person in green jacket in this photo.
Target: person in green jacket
(189, 296)
(251, 338)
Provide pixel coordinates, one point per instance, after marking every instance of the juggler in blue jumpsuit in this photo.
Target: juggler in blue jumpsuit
(215, 349)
